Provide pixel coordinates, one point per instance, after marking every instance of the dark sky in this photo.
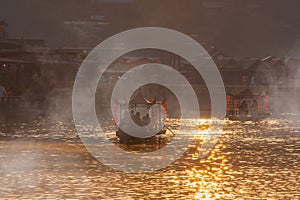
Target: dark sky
(236, 27)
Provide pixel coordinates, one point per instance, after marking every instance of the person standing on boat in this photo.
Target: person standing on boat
(243, 109)
(137, 118)
(146, 120)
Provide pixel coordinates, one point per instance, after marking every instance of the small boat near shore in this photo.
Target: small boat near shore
(247, 106)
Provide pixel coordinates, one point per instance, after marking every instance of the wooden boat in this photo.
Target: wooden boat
(136, 105)
(246, 106)
(125, 138)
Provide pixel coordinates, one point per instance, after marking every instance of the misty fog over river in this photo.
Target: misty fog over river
(91, 90)
(45, 159)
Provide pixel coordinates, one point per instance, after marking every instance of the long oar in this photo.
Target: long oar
(170, 130)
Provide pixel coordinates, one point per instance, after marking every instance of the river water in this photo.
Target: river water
(44, 159)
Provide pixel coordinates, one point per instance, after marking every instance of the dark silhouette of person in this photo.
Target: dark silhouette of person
(146, 120)
(244, 109)
(137, 118)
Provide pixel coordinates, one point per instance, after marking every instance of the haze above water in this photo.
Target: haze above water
(45, 159)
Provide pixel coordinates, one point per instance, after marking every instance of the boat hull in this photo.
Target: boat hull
(125, 138)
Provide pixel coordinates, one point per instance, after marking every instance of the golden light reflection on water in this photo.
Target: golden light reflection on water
(204, 179)
(208, 175)
(47, 161)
